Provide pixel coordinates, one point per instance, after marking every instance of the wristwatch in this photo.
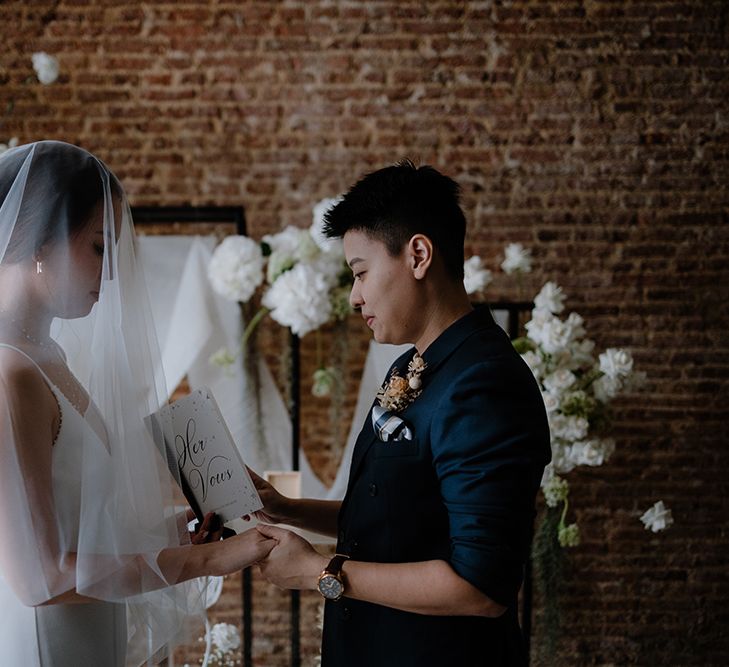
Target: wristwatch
(331, 583)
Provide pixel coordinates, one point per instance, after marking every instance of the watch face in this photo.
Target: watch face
(330, 587)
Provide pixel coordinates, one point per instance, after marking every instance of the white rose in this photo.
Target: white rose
(225, 637)
(517, 259)
(551, 401)
(561, 459)
(550, 298)
(236, 268)
(554, 335)
(616, 363)
(606, 387)
(559, 381)
(299, 299)
(475, 276)
(535, 362)
(569, 428)
(574, 325)
(581, 353)
(592, 452)
(46, 67)
(657, 518)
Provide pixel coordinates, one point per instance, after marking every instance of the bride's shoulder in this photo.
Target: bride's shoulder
(19, 375)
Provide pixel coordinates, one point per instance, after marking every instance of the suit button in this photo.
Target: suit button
(346, 614)
(373, 489)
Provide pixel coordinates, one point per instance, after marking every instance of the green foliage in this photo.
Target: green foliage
(548, 557)
(523, 344)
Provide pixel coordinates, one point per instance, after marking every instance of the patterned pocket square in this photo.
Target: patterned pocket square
(388, 426)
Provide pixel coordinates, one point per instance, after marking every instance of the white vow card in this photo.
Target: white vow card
(200, 445)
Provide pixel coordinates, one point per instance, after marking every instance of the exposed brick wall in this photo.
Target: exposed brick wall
(595, 132)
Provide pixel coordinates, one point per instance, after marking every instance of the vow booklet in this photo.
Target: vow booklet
(198, 444)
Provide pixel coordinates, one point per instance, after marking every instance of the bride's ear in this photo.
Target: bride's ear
(420, 255)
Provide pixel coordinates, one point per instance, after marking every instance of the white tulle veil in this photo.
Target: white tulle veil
(62, 208)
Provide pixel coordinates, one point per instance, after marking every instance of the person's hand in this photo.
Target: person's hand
(239, 551)
(210, 530)
(275, 505)
(292, 563)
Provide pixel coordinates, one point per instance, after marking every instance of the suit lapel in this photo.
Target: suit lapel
(434, 356)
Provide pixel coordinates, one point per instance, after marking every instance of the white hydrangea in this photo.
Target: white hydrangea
(616, 363)
(517, 259)
(46, 67)
(550, 298)
(225, 637)
(657, 518)
(317, 224)
(299, 299)
(294, 243)
(236, 268)
(475, 276)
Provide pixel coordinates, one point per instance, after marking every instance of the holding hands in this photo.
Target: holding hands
(292, 563)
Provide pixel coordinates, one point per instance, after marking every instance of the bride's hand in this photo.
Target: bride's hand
(275, 505)
(210, 530)
(240, 551)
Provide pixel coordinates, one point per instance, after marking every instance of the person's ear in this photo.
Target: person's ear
(420, 255)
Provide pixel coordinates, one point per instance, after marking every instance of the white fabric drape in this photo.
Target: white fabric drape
(193, 322)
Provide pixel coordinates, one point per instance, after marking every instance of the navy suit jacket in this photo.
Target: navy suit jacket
(462, 490)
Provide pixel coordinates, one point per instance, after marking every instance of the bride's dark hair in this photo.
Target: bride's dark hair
(58, 200)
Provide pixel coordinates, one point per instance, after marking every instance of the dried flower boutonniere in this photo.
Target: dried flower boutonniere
(399, 392)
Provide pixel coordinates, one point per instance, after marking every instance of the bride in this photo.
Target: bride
(96, 565)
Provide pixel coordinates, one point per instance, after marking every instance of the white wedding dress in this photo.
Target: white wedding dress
(62, 635)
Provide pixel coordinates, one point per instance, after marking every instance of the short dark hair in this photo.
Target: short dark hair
(394, 203)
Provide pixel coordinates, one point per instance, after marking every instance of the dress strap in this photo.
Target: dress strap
(32, 361)
(51, 386)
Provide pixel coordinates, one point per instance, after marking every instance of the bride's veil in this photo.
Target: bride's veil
(97, 519)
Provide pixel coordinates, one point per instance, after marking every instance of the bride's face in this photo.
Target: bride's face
(72, 270)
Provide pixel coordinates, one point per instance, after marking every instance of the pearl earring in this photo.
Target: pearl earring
(38, 266)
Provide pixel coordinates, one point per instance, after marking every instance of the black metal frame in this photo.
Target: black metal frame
(147, 215)
(214, 215)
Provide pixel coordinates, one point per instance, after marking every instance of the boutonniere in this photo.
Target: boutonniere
(399, 392)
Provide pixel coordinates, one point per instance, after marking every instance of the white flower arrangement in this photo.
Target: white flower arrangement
(46, 70)
(298, 276)
(517, 259)
(657, 518)
(303, 275)
(475, 276)
(576, 389)
(236, 268)
(46, 67)
(221, 641)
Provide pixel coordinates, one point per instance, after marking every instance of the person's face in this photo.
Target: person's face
(383, 290)
(73, 270)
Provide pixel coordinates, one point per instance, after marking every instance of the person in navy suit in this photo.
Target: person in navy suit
(435, 527)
